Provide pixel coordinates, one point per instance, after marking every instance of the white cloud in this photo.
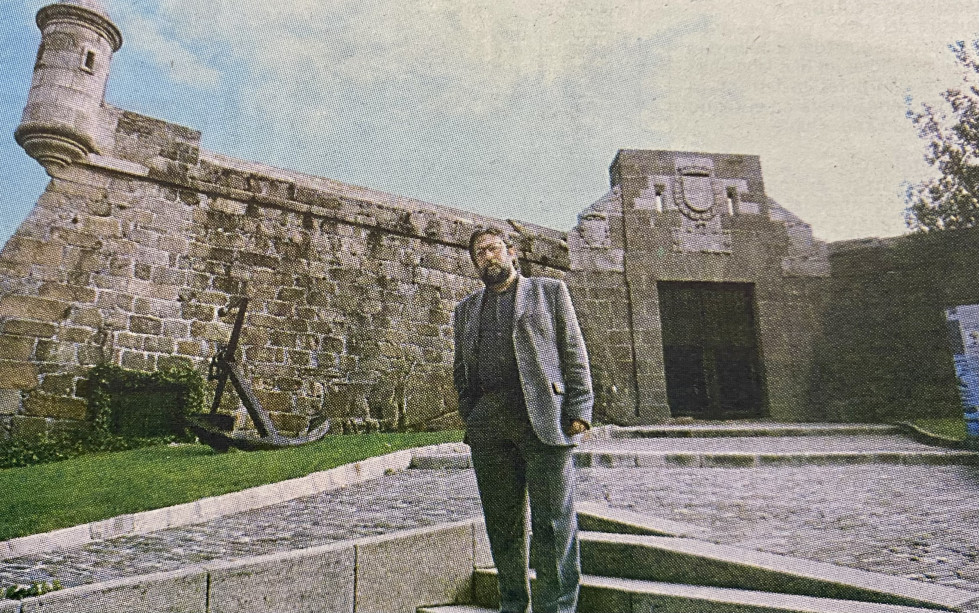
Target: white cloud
(182, 65)
(480, 104)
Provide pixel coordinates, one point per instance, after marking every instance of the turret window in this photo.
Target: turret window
(732, 199)
(88, 64)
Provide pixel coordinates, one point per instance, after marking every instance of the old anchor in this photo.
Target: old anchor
(215, 429)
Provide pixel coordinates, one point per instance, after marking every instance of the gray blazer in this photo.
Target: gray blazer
(551, 357)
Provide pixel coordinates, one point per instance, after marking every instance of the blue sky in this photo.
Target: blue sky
(515, 109)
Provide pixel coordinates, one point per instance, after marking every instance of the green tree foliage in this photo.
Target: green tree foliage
(951, 129)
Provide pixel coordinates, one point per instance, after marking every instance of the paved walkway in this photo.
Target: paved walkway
(914, 521)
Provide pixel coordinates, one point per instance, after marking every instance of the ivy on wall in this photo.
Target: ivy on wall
(128, 409)
(136, 404)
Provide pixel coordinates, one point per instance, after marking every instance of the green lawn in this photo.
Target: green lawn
(93, 487)
(949, 427)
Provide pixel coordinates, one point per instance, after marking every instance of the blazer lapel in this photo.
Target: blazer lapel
(471, 332)
(520, 300)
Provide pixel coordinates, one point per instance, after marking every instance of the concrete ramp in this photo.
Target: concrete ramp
(696, 562)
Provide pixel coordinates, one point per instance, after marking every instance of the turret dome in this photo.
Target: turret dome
(95, 6)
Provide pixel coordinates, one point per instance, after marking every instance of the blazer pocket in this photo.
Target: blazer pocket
(558, 388)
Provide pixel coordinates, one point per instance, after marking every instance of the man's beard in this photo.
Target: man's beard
(495, 273)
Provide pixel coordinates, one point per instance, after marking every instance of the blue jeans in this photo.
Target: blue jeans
(511, 466)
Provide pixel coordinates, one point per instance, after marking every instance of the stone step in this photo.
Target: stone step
(697, 562)
(751, 429)
(659, 459)
(611, 458)
(456, 608)
(598, 517)
(608, 595)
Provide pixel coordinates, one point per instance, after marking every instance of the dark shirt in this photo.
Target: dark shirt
(497, 360)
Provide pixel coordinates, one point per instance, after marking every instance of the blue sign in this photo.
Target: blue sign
(964, 339)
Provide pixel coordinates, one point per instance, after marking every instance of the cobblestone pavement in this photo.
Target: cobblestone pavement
(410, 499)
(918, 522)
(914, 521)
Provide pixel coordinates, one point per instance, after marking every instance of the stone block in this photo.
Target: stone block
(288, 422)
(16, 348)
(17, 375)
(28, 427)
(57, 407)
(164, 275)
(402, 571)
(29, 250)
(76, 238)
(111, 528)
(9, 402)
(482, 556)
(140, 324)
(173, 361)
(29, 328)
(210, 331)
(67, 293)
(61, 384)
(33, 307)
(485, 590)
(55, 351)
(90, 317)
(314, 580)
(136, 360)
(89, 355)
(159, 344)
(77, 335)
(102, 226)
(190, 348)
(274, 402)
(183, 591)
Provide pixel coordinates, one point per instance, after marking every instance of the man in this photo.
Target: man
(525, 395)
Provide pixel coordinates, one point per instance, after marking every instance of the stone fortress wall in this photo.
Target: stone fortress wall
(141, 236)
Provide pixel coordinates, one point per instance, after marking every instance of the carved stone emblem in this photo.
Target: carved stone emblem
(695, 194)
(594, 229)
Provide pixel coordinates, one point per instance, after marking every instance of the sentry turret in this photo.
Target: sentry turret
(61, 121)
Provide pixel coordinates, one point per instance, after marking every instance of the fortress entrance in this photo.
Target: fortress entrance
(710, 350)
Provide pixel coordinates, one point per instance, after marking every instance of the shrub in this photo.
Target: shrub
(36, 588)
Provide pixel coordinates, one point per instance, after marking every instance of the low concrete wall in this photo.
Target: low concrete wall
(394, 573)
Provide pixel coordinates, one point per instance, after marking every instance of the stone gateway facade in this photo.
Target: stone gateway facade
(698, 294)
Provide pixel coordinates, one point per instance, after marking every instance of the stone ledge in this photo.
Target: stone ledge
(600, 594)
(460, 460)
(215, 506)
(456, 455)
(377, 574)
(182, 591)
(612, 459)
(741, 430)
